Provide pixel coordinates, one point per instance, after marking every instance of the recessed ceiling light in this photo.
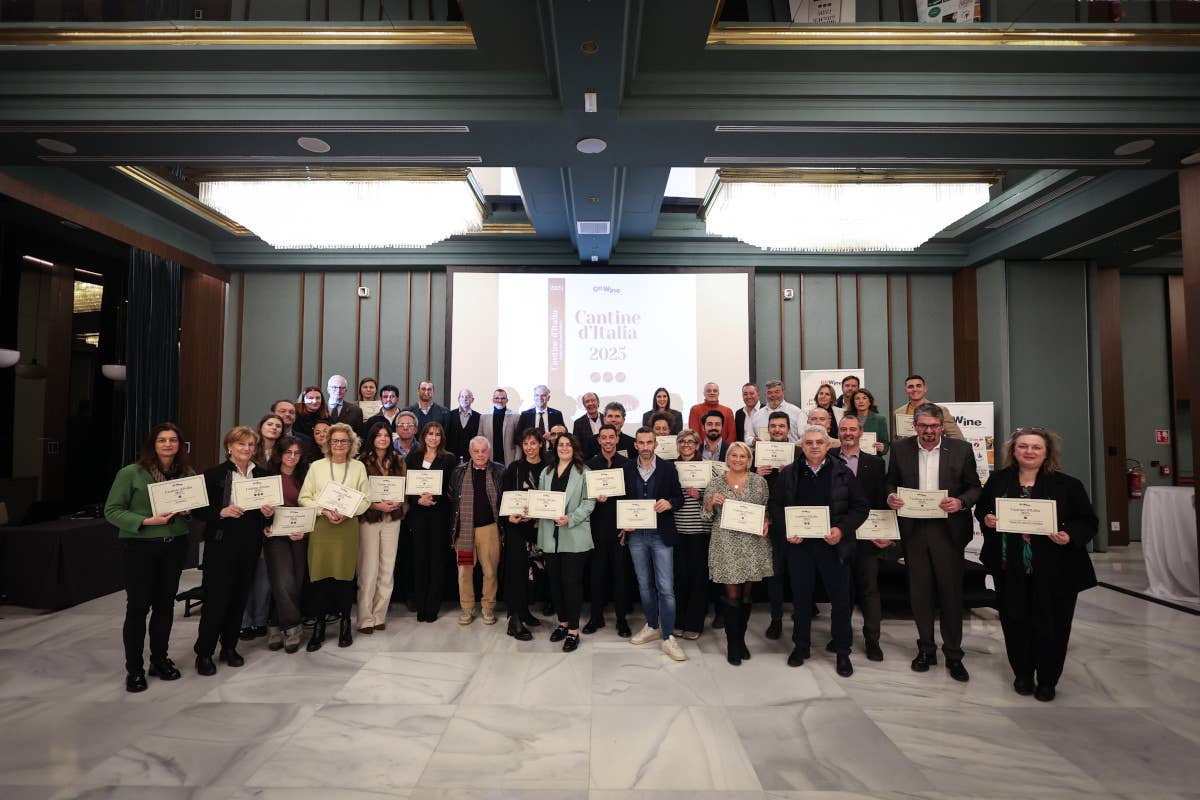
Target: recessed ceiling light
(56, 146)
(39, 261)
(75, 226)
(591, 145)
(1194, 158)
(313, 145)
(1140, 249)
(1136, 146)
(590, 47)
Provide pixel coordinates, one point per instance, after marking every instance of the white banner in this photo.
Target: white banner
(821, 12)
(977, 423)
(811, 380)
(956, 12)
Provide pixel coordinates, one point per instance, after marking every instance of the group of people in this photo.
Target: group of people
(686, 556)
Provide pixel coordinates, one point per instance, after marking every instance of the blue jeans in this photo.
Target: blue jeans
(654, 563)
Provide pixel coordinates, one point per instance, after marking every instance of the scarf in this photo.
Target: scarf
(159, 476)
(1026, 550)
(465, 544)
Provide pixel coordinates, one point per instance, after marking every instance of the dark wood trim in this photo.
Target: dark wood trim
(966, 337)
(887, 297)
(1112, 390)
(858, 320)
(837, 312)
(237, 370)
(61, 283)
(429, 325)
(300, 354)
(65, 209)
(1177, 348)
(801, 337)
(357, 335)
(201, 344)
(321, 333)
(1189, 217)
(378, 318)
(408, 345)
(908, 318)
(782, 337)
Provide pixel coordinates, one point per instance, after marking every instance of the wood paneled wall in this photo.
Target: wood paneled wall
(201, 328)
(1112, 376)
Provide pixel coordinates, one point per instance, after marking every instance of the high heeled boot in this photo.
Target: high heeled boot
(735, 632)
(344, 637)
(318, 635)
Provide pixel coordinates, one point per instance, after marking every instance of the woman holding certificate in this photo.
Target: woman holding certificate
(429, 520)
(566, 539)
(863, 404)
(662, 405)
(519, 534)
(1036, 522)
(737, 557)
(691, 548)
(379, 531)
(153, 549)
(337, 485)
(287, 554)
(254, 618)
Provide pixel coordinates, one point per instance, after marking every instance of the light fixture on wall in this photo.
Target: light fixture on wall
(114, 372)
(347, 208)
(839, 210)
(9, 357)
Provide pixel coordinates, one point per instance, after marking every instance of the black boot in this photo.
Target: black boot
(747, 607)
(735, 632)
(318, 635)
(344, 637)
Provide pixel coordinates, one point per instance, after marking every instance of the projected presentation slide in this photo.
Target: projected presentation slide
(621, 335)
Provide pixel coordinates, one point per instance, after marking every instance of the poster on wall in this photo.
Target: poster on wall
(977, 423)
(956, 12)
(821, 12)
(811, 380)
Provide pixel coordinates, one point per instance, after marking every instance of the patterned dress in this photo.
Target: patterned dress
(733, 556)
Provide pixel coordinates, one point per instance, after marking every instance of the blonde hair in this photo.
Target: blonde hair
(1053, 462)
(735, 446)
(238, 433)
(341, 427)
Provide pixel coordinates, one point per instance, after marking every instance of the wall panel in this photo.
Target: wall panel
(368, 310)
(394, 354)
(872, 309)
(341, 305)
(932, 326)
(268, 372)
(898, 331)
(766, 328)
(311, 328)
(820, 321)
(848, 356)
(792, 336)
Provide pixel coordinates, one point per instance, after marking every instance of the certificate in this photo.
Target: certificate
(904, 426)
(1026, 516)
(694, 474)
(387, 487)
(867, 442)
(370, 408)
(514, 502)
(546, 505)
(806, 522)
(719, 468)
(763, 433)
(774, 454)
(177, 496)
(605, 482)
(340, 498)
(636, 515)
(743, 517)
(879, 525)
(666, 447)
(921, 505)
(420, 481)
(258, 492)
(289, 520)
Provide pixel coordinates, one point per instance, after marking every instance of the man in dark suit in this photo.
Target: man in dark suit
(750, 404)
(607, 563)
(779, 429)
(587, 426)
(426, 409)
(541, 417)
(462, 425)
(614, 414)
(499, 427)
(340, 409)
(933, 548)
(871, 472)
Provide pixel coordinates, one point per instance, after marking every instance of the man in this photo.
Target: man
(286, 410)
(933, 548)
(474, 494)
(775, 403)
(608, 562)
(462, 425)
(849, 384)
(614, 415)
(751, 403)
(649, 477)
(389, 408)
(405, 438)
(714, 447)
(916, 391)
(541, 417)
(778, 430)
(341, 409)
(871, 473)
(587, 426)
(712, 396)
(499, 427)
(425, 409)
(822, 417)
(818, 479)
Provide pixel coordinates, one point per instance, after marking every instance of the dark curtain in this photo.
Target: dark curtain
(151, 346)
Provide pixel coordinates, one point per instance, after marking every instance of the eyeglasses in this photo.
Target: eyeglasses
(292, 453)
(339, 441)
(923, 426)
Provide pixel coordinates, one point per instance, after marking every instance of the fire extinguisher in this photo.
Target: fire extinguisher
(1135, 479)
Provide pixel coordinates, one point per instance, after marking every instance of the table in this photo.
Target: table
(60, 563)
(1169, 543)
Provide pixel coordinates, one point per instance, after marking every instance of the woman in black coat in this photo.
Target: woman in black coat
(429, 519)
(1038, 577)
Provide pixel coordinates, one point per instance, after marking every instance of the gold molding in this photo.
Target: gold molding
(922, 35)
(162, 186)
(226, 35)
(505, 229)
(333, 173)
(856, 175)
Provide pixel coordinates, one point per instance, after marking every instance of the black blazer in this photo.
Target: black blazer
(583, 430)
(1067, 565)
(676, 419)
(604, 515)
(457, 437)
(739, 422)
(218, 482)
(442, 506)
(663, 485)
(872, 476)
(528, 419)
(350, 414)
(956, 474)
(848, 505)
(591, 448)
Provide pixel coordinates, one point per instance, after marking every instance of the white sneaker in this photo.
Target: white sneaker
(671, 647)
(466, 617)
(646, 635)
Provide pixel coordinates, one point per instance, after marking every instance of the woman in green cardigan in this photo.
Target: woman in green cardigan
(566, 541)
(863, 404)
(153, 549)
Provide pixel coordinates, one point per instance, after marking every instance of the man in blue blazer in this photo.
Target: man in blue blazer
(541, 417)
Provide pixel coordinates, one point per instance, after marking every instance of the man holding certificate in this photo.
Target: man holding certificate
(609, 558)
(1036, 522)
(937, 477)
(779, 429)
(819, 486)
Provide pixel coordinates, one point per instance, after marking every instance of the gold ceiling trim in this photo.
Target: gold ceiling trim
(213, 174)
(922, 35)
(505, 229)
(312, 35)
(162, 186)
(782, 175)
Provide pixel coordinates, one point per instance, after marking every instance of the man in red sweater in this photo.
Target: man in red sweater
(712, 394)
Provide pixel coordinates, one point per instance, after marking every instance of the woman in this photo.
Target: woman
(863, 404)
(737, 559)
(567, 540)
(233, 539)
(153, 549)
(1038, 578)
(691, 550)
(320, 435)
(662, 405)
(824, 398)
(378, 533)
(521, 532)
(333, 545)
(270, 428)
(660, 423)
(429, 522)
(287, 556)
(312, 408)
(368, 389)
(254, 617)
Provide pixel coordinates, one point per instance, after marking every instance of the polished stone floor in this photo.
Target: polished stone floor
(441, 711)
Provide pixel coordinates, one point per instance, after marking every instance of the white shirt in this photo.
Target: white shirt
(928, 462)
(796, 422)
(595, 424)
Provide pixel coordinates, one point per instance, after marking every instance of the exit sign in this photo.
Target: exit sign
(1162, 436)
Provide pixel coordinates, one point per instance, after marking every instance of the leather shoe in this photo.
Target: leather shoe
(874, 652)
(1044, 693)
(571, 643)
(318, 636)
(529, 619)
(517, 630)
(1023, 686)
(593, 625)
(924, 661)
(829, 647)
(957, 670)
(796, 659)
(367, 629)
(259, 631)
(548, 609)
(558, 634)
(775, 629)
(246, 634)
(623, 628)
(345, 639)
(136, 681)
(164, 669)
(718, 620)
(844, 667)
(205, 665)
(231, 657)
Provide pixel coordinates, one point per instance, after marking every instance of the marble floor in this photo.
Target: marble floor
(443, 711)
(1126, 567)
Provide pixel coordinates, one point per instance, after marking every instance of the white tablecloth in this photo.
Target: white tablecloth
(1169, 542)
